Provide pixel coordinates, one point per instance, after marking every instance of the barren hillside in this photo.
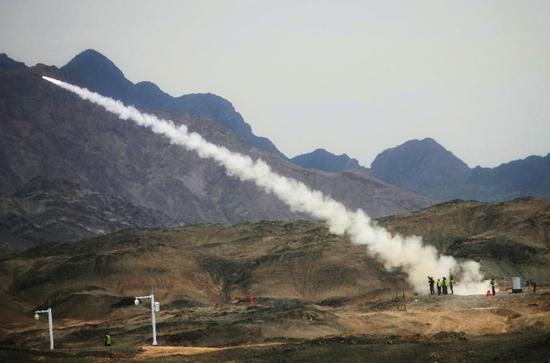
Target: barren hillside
(309, 288)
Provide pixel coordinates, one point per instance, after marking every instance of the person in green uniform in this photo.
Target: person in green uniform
(108, 340)
(438, 287)
(493, 284)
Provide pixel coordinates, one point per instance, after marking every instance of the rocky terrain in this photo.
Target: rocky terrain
(505, 328)
(317, 296)
(57, 210)
(509, 237)
(47, 132)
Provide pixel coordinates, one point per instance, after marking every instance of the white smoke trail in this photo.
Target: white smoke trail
(407, 253)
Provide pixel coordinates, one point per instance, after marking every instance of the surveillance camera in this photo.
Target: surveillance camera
(36, 317)
(136, 302)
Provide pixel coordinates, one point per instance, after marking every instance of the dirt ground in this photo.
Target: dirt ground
(503, 328)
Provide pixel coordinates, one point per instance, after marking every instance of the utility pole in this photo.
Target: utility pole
(50, 322)
(155, 307)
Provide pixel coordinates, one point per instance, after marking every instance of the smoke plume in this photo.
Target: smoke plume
(406, 253)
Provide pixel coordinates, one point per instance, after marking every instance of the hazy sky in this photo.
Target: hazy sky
(349, 76)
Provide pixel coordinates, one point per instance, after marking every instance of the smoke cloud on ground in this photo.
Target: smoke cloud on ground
(409, 254)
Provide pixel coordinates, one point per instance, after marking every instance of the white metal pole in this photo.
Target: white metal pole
(153, 317)
(50, 323)
(154, 320)
(50, 327)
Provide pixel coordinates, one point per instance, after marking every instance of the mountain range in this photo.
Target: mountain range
(96, 72)
(427, 168)
(61, 140)
(49, 133)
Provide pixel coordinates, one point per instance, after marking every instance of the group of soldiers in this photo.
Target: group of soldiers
(443, 285)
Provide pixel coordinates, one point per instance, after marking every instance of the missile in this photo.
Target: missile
(38, 75)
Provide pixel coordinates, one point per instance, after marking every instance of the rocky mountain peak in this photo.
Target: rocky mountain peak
(92, 61)
(417, 155)
(96, 72)
(324, 160)
(8, 64)
(420, 165)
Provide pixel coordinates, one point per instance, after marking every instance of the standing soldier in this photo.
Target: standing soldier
(438, 287)
(108, 340)
(493, 283)
(451, 284)
(444, 284)
(431, 282)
